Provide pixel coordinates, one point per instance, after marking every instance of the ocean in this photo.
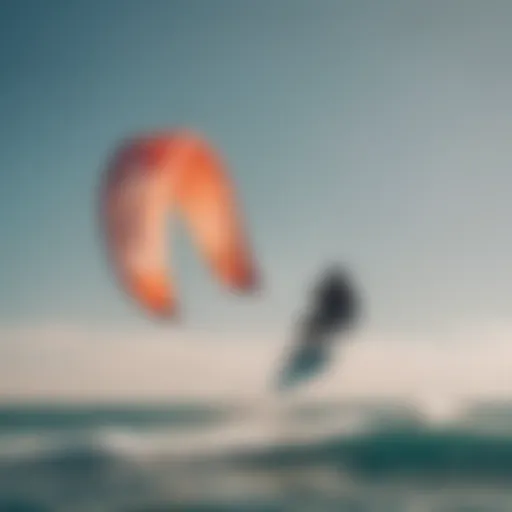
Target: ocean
(324, 456)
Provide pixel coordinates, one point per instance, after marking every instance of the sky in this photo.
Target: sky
(374, 133)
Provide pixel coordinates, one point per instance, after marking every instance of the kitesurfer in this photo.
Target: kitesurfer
(335, 309)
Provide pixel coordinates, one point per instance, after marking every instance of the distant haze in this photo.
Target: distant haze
(81, 365)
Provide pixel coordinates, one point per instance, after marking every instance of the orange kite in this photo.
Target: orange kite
(151, 176)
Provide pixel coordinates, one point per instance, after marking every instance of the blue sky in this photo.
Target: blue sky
(376, 133)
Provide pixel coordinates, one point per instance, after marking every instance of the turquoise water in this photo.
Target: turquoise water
(202, 457)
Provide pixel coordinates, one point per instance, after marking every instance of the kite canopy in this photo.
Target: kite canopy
(149, 177)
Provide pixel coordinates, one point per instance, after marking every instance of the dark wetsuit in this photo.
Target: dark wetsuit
(335, 306)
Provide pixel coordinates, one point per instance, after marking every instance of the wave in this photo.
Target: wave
(352, 446)
(23, 418)
(247, 464)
